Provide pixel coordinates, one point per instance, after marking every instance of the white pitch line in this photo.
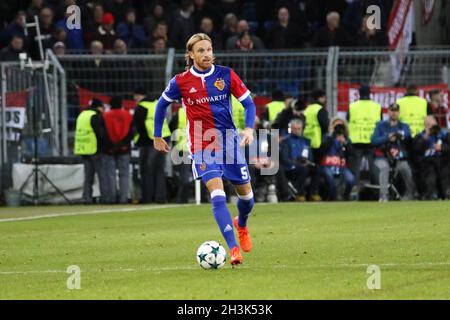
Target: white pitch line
(99, 211)
(195, 267)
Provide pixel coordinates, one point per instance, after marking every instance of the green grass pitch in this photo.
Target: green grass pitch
(301, 251)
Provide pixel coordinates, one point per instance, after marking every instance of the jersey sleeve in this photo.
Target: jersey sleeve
(238, 88)
(172, 92)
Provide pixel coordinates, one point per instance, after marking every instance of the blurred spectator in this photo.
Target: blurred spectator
(132, 33)
(159, 46)
(96, 47)
(390, 139)
(437, 108)
(300, 11)
(92, 24)
(183, 27)
(295, 157)
(16, 27)
(118, 124)
(154, 187)
(207, 27)
(363, 116)
(332, 34)
(59, 49)
(317, 123)
(90, 138)
(370, 37)
(94, 72)
(105, 32)
(46, 22)
(230, 26)
(120, 47)
(118, 8)
(158, 13)
(433, 148)
(335, 152)
(245, 42)
(203, 9)
(34, 9)
(243, 26)
(59, 35)
(160, 32)
(284, 33)
(11, 53)
(413, 109)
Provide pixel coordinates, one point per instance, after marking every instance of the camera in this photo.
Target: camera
(339, 130)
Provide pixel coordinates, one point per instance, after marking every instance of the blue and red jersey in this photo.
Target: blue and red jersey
(206, 98)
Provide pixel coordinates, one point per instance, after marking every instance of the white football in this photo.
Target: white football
(211, 255)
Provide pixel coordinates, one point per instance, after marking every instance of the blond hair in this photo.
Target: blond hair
(190, 44)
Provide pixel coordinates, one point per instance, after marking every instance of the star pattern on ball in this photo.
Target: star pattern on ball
(202, 257)
(215, 250)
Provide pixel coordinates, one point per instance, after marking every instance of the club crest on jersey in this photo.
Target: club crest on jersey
(203, 166)
(219, 84)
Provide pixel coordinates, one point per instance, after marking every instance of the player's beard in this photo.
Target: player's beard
(205, 64)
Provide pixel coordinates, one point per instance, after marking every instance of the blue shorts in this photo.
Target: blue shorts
(205, 168)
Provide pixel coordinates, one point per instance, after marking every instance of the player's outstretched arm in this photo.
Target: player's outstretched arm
(250, 113)
(160, 114)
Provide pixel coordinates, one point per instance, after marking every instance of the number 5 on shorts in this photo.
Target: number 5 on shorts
(244, 173)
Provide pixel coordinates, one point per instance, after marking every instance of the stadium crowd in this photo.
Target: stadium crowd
(121, 26)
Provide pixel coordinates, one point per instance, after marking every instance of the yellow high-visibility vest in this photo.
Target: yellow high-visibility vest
(150, 121)
(238, 113)
(274, 108)
(312, 129)
(182, 142)
(364, 115)
(413, 111)
(85, 138)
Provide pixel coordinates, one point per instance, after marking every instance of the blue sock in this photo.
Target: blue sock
(245, 206)
(223, 217)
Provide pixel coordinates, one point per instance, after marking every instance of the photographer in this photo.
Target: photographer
(295, 157)
(335, 152)
(390, 139)
(293, 110)
(433, 149)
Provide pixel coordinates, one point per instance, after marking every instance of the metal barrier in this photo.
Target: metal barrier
(114, 74)
(32, 114)
(295, 73)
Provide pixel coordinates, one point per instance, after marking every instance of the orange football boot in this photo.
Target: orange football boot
(236, 256)
(244, 238)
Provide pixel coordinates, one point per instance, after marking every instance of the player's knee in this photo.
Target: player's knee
(247, 199)
(218, 197)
